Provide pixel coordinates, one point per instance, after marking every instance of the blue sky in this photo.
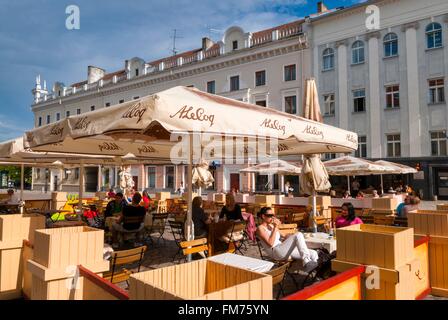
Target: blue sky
(34, 39)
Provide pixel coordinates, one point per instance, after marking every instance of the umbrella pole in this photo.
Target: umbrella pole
(81, 187)
(190, 194)
(348, 184)
(313, 221)
(382, 187)
(22, 175)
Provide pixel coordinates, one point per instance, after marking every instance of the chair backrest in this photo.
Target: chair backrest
(162, 206)
(297, 217)
(127, 219)
(278, 274)
(260, 247)
(123, 257)
(194, 246)
(287, 229)
(177, 229)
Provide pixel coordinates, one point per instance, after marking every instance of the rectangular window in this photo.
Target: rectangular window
(393, 145)
(78, 111)
(329, 104)
(151, 177)
(58, 116)
(107, 104)
(235, 83)
(67, 114)
(66, 173)
(260, 78)
(291, 104)
(39, 122)
(121, 101)
(436, 91)
(169, 177)
(362, 147)
(92, 108)
(290, 73)
(235, 45)
(137, 97)
(438, 143)
(393, 97)
(359, 100)
(261, 103)
(329, 156)
(136, 72)
(76, 173)
(48, 119)
(211, 87)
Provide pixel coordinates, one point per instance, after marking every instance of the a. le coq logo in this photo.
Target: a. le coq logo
(190, 113)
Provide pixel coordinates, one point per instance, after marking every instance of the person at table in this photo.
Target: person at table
(347, 195)
(348, 216)
(292, 246)
(400, 207)
(360, 195)
(147, 202)
(12, 198)
(111, 194)
(231, 211)
(115, 206)
(375, 194)
(132, 210)
(413, 205)
(200, 219)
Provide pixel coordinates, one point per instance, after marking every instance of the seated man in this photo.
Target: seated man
(12, 198)
(115, 206)
(131, 220)
(293, 246)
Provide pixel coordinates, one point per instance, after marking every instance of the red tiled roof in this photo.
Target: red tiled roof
(106, 77)
(279, 28)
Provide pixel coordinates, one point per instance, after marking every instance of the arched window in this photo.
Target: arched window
(358, 55)
(328, 59)
(390, 45)
(434, 35)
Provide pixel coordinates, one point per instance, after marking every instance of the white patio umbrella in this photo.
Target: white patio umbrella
(314, 176)
(351, 166)
(397, 168)
(154, 124)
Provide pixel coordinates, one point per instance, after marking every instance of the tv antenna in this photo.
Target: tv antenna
(175, 36)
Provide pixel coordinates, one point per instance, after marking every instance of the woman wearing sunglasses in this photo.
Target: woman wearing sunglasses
(293, 246)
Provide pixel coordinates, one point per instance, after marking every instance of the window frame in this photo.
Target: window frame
(358, 50)
(285, 104)
(325, 57)
(48, 119)
(394, 144)
(438, 140)
(148, 181)
(214, 86)
(263, 78)
(231, 78)
(165, 186)
(392, 93)
(362, 151)
(438, 89)
(388, 45)
(356, 98)
(78, 111)
(326, 102)
(295, 72)
(58, 116)
(431, 33)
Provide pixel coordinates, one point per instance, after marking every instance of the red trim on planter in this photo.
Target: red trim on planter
(424, 294)
(327, 284)
(104, 284)
(421, 240)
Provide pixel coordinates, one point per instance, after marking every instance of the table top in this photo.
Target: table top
(319, 240)
(243, 262)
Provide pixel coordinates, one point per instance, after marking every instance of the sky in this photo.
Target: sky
(34, 39)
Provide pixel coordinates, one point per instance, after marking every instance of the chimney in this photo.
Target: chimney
(321, 7)
(207, 43)
(94, 74)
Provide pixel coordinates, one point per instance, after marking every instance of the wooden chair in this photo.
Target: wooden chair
(162, 206)
(234, 237)
(158, 226)
(287, 229)
(177, 229)
(133, 220)
(297, 218)
(121, 258)
(199, 246)
(278, 277)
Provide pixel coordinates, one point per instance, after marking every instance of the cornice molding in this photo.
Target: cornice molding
(411, 25)
(373, 35)
(166, 77)
(341, 43)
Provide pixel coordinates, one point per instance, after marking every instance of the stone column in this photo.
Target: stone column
(415, 148)
(374, 92)
(343, 105)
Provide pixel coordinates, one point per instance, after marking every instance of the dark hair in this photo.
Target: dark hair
(197, 202)
(351, 211)
(145, 193)
(263, 211)
(119, 194)
(136, 198)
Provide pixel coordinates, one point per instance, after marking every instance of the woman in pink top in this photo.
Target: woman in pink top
(348, 216)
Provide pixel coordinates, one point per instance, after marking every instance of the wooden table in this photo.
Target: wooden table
(320, 240)
(243, 262)
(66, 224)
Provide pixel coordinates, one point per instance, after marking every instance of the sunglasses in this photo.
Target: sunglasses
(269, 215)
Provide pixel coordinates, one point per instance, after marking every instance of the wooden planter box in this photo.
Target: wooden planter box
(13, 230)
(382, 246)
(384, 203)
(57, 252)
(163, 195)
(200, 280)
(323, 201)
(428, 222)
(438, 265)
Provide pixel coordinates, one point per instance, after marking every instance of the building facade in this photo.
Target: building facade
(266, 68)
(388, 84)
